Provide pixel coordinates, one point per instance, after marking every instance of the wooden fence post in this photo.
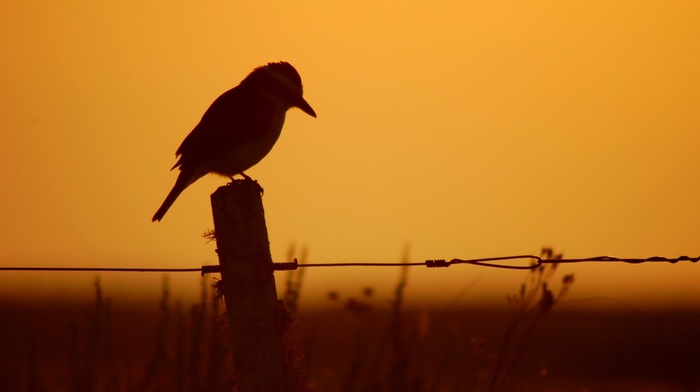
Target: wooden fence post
(248, 286)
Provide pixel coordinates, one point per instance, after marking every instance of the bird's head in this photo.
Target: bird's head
(282, 83)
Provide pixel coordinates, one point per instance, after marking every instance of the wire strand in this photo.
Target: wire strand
(492, 262)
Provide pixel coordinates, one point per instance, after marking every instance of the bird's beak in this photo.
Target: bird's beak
(306, 108)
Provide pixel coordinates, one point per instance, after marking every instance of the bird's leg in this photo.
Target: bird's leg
(247, 178)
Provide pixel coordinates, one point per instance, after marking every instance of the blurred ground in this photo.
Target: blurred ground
(353, 346)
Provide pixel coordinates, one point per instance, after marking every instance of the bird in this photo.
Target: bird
(239, 128)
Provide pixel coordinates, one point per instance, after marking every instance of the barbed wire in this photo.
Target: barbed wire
(491, 262)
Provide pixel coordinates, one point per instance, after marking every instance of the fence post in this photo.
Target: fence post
(248, 286)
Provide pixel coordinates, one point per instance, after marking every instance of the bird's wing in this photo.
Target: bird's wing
(233, 119)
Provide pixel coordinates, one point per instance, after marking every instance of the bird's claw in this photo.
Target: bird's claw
(248, 178)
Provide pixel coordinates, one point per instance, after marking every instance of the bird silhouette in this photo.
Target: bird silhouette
(239, 129)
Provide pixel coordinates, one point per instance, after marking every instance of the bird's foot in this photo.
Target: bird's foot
(247, 178)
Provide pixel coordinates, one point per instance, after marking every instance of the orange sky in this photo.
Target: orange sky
(465, 129)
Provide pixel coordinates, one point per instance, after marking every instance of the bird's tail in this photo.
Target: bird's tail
(183, 181)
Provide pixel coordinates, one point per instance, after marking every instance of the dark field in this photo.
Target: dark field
(99, 345)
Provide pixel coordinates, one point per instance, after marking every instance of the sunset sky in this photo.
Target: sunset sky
(460, 129)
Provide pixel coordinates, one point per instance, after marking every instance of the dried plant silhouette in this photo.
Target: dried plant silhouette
(532, 304)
